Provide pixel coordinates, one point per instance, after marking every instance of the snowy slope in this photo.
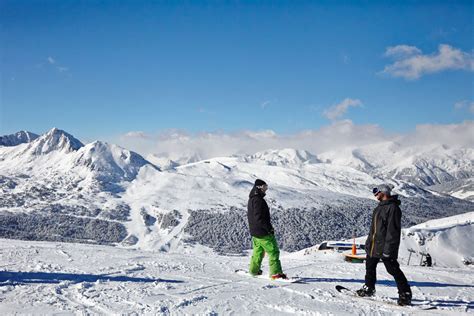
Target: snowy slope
(169, 226)
(461, 189)
(220, 185)
(313, 202)
(163, 163)
(63, 278)
(447, 240)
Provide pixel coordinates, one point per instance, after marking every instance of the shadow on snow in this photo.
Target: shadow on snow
(384, 282)
(435, 302)
(446, 303)
(13, 278)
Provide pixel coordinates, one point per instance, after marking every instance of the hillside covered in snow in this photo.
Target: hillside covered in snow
(56, 188)
(447, 240)
(53, 277)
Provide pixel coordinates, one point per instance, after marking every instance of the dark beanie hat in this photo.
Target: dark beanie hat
(259, 182)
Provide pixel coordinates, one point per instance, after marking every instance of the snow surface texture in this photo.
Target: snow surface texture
(102, 193)
(66, 278)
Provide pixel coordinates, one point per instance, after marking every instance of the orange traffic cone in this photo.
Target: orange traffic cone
(354, 249)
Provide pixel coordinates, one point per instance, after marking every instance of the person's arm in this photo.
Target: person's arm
(368, 241)
(392, 238)
(262, 215)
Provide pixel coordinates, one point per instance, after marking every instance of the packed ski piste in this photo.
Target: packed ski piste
(339, 277)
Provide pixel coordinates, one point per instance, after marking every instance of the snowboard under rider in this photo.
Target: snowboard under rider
(262, 232)
(383, 243)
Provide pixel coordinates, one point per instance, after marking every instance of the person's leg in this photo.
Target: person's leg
(257, 256)
(271, 248)
(371, 272)
(393, 267)
(368, 289)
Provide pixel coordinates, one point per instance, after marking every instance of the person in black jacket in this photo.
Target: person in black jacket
(262, 232)
(383, 243)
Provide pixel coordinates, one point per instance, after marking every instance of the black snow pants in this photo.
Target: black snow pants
(392, 267)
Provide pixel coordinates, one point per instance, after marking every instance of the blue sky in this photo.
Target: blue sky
(101, 68)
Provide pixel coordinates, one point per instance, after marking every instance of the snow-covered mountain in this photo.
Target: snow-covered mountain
(421, 165)
(283, 157)
(54, 140)
(110, 162)
(17, 138)
(58, 154)
(437, 168)
(164, 163)
(461, 189)
(56, 188)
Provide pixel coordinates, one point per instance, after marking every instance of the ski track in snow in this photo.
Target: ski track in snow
(46, 278)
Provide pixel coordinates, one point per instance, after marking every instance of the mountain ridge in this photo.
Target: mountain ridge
(17, 138)
(204, 202)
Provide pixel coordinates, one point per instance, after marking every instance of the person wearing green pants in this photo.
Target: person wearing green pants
(262, 232)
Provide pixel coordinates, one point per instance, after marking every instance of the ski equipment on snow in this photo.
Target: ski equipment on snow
(346, 291)
(265, 277)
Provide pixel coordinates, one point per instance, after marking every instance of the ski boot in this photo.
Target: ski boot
(366, 291)
(260, 272)
(404, 298)
(279, 276)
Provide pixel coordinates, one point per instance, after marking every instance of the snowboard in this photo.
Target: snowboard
(266, 277)
(387, 301)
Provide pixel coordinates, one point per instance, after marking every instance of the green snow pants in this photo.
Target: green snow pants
(261, 245)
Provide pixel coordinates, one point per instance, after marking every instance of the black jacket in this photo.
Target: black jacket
(258, 214)
(384, 235)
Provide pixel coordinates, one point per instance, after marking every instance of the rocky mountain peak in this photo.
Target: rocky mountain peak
(55, 139)
(18, 138)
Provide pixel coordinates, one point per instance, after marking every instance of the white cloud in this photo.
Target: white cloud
(346, 59)
(401, 51)
(176, 144)
(264, 104)
(137, 134)
(53, 63)
(460, 105)
(338, 110)
(464, 104)
(411, 64)
(454, 135)
(180, 145)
